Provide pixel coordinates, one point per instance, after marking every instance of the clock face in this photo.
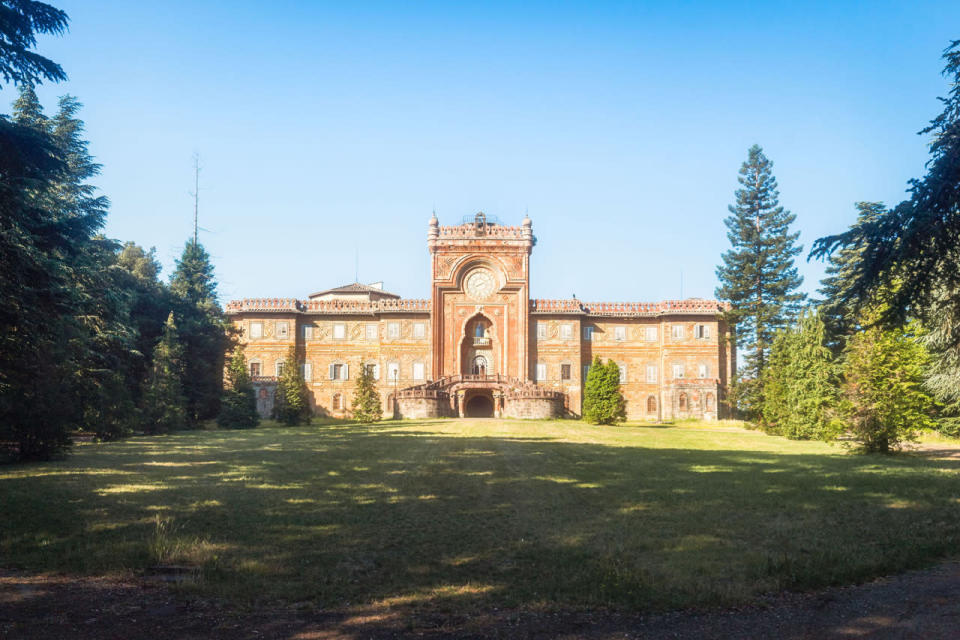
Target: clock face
(480, 284)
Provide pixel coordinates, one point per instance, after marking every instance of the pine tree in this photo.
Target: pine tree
(801, 383)
(758, 276)
(202, 331)
(366, 400)
(603, 403)
(884, 401)
(238, 407)
(21, 23)
(164, 404)
(292, 406)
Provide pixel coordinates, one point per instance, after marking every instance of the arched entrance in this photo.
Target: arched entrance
(479, 406)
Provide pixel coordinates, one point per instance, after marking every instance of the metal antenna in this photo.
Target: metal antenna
(196, 197)
(681, 284)
(356, 264)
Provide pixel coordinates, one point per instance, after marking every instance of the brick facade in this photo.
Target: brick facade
(481, 346)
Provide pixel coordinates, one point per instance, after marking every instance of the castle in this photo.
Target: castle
(480, 346)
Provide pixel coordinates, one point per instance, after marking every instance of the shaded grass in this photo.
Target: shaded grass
(474, 513)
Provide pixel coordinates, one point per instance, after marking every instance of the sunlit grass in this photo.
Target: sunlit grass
(465, 514)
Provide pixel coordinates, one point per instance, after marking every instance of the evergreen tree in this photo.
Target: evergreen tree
(366, 400)
(801, 383)
(758, 276)
(238, 407)
(164, 404)
(20, 22)
(202, 331)
(884, 401)
(603, 403)
(292, 405)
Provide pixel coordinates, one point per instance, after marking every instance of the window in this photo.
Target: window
(418, 371)
(283, 330)
(586, 370)
(709, 402)
(623, 372)
(339, 372)
(651, 373)
(682, 402)
(393, 330)
(337, 402)
(419, 330)
(651, 404)
(703, 371)
(566, 332)
(678, 371)
(588, 333)
(541, 372)
(339, 331)
(565, 371)
(541, 330)
(677, 332)
(651, 334)
(373, 370)
(480, 331)
(393, 371)
(306, 369)
(308, 332)
(254, 369)
(256, 329)
(701, 331)
(619, 334)
(279, 367)
(371, 333)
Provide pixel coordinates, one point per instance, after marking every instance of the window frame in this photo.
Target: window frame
(566, 331)
(540, 367)
(541, 330)
(393, 330)
(566, 371)
(419, 330)
(259, 333)
(652, 369)
(620, 333)
(343, 330)
(423, 371)
(285, 333)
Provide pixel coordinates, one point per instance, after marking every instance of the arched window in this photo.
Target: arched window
(479, 365)
(651, 404)
(481, 330)
(682, 402)
(337, 402)
(710, 402)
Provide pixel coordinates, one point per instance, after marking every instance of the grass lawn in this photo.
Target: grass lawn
(466, 514)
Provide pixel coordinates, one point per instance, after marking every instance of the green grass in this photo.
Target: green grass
(460, 514)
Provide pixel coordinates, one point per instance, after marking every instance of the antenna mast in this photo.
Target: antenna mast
(196, 197)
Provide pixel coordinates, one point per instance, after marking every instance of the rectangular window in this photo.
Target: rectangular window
(678, 371)
(373, 370)
(623, 372)
(256, 329)
(588, 333)
(677, 332)
(418, 371)
(541, 372)
(254, 369)
(703, 371)
(651, 373)
(371, 333)
(651, 334)
(393, 330)
(702, 331)
(619, 334)
(307, 370)
(279, 367)
(339, 372)
(419, 330)
(339, 331)
(541, 330)
(308, 332)
(283, 330)
(565, 371)
(393, 371)
(566, 332)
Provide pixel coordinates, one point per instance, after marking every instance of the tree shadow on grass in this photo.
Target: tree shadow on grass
(414, 519)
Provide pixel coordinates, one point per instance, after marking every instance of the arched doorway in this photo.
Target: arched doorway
(479, 406)
(480, 365)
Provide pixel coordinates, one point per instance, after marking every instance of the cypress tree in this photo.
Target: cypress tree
(758, 276)
(366, 400)
(238, 407)
(164, 404)
(292, 406)
(602, 401)
(202, 331)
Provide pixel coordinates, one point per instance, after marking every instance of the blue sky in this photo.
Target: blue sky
(327, 130)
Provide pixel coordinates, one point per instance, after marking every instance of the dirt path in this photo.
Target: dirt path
(921, 604)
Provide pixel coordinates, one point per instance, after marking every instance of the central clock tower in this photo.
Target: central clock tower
(480, 293)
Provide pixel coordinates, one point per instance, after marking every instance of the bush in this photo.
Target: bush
(366, 400)
(602, 401)
(292, 406)
(238, 404)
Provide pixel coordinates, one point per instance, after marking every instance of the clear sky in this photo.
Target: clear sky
(326, 129)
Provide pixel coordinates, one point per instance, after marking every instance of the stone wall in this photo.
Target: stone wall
(417, 408)
(532, 408)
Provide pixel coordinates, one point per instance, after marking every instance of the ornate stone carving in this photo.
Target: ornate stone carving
(480, 284)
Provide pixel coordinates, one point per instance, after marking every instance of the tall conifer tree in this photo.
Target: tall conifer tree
(164, 405)
(758, 276)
